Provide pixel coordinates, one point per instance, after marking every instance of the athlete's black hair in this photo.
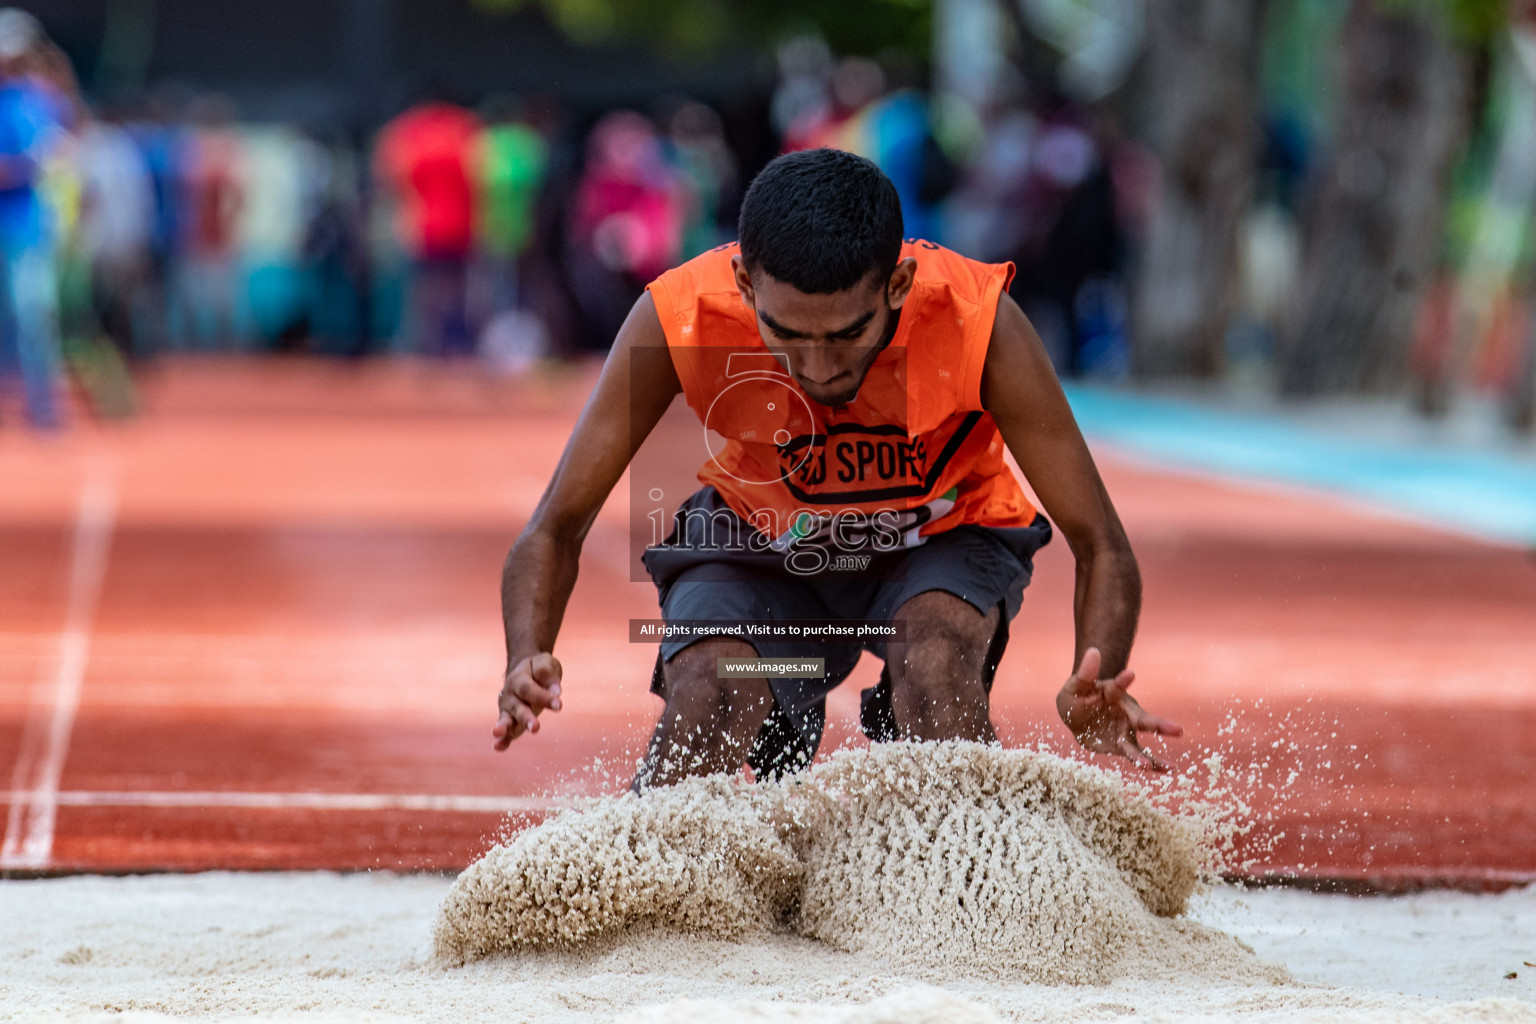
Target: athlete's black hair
(821, 221)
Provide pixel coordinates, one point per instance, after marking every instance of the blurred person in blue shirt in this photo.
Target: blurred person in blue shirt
(32, 112)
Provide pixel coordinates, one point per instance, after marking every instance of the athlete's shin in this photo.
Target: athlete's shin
(708, 724)
(938, 687)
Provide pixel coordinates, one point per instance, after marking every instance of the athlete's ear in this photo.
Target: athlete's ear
(900, 285)
(744, 282)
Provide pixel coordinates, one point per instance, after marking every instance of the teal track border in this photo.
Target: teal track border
(1481, 493)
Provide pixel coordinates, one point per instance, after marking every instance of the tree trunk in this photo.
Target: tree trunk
(1202, 83)
(1374, 232)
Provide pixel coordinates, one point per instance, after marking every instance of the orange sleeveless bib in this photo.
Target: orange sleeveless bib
(912, 455)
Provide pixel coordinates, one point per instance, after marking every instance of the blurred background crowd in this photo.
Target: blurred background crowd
(1303, 197)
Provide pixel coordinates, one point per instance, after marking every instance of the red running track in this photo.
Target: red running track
(258, 628)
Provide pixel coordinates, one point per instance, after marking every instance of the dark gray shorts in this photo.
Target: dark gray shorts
(700, 576)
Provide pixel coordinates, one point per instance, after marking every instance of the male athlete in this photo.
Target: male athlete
(859, 391)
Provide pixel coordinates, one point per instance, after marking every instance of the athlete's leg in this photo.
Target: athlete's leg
(938, 688)
(709, 723)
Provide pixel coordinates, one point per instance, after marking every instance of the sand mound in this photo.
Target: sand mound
(985, 860)
(947, 858)
(701, 857)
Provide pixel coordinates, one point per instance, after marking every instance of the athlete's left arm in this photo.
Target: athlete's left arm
(1019, 388)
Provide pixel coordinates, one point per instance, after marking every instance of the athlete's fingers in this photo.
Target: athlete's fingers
(532, 691)
(523, 717)
(1113, 691)
(1158, 764)
(546, 670)
(506, 730)
(501, 732)
(1141, 758)
(1141, 721)
(1087, 673)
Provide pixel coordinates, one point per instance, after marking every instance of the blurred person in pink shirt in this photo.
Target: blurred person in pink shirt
(627, 225)
(426, 160)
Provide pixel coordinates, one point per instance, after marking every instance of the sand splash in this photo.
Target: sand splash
(704, 857)
(944, 858)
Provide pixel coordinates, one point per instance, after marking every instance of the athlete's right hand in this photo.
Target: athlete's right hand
(531, 686)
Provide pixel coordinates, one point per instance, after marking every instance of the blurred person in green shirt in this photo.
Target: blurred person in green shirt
(510, 162)
(511, 159)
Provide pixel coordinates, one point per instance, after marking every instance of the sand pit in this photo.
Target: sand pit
(956, 884)
(319, 948)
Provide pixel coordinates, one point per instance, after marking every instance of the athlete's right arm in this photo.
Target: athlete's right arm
(635, 388)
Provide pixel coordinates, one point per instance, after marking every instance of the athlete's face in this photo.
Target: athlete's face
(828, 341)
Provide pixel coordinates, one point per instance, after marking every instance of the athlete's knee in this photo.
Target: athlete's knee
(696, 693)
(695, 667)
(938, 687)
(946, 643)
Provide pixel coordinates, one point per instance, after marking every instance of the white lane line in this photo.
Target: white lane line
(305, 801)
(45, 742)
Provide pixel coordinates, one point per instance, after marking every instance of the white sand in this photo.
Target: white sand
(322, 947)
(901, 885)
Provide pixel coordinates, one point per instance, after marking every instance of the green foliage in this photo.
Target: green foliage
(1477, 20)
(698, 26)
(1474, 22)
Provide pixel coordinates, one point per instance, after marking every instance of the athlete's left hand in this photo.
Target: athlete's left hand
(1105, 719)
